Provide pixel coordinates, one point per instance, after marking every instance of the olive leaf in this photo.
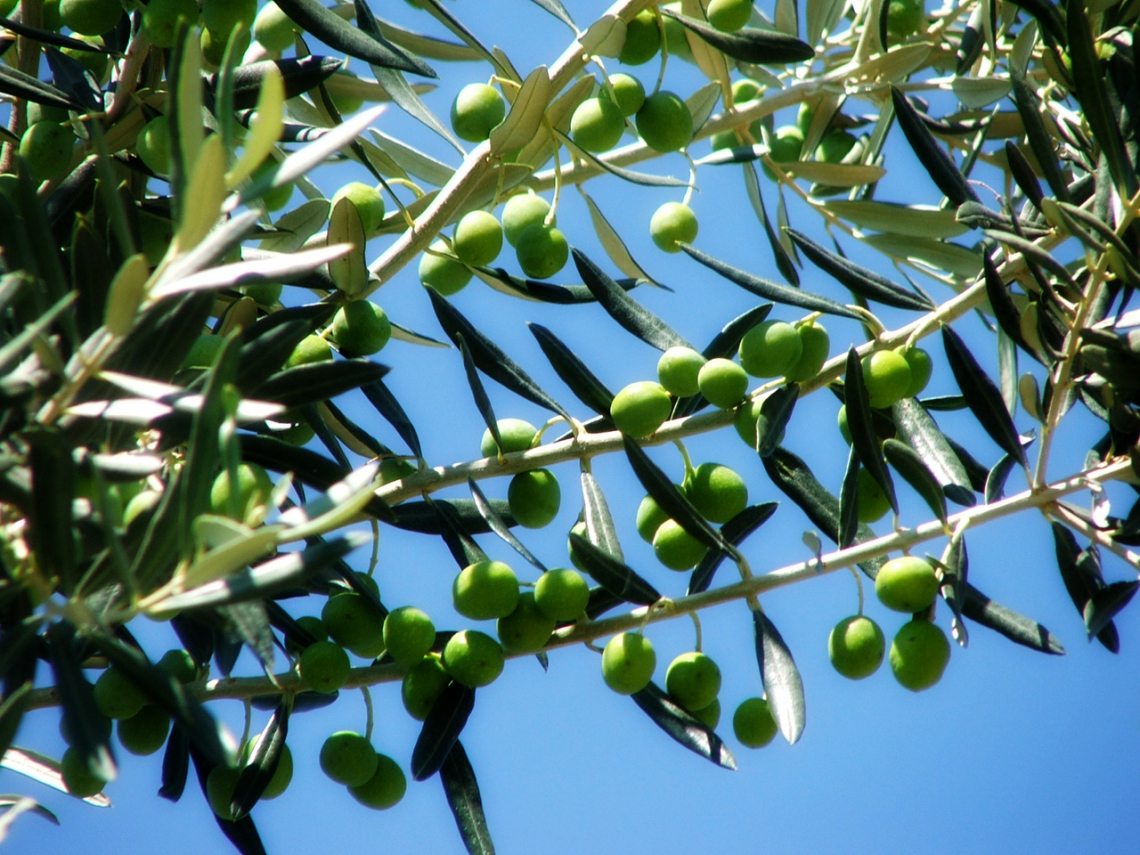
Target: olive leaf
(573, 372)
(676, 721)
(614, 576)
(445, 721)
(759, 47)
(499, 527)
(783, 685)
(734, 531)
(914, 471)
(934, 160)
(465, 801)
(864, 440)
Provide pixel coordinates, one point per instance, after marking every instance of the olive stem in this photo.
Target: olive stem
(369, 716)
(697, 628)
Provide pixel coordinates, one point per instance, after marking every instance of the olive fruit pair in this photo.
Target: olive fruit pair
(778, 349)
(693, 680)
(891, 375)
(684, 372)
(355, 622)
(222, 781)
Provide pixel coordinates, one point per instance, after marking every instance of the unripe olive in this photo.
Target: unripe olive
(676, 548)
(52, 19)
(873, 502)
(366, 199)
(90, 17)
(446, 274)
(816, 345)
(905, 17)
(203, 351)
(473, 658)
(747, 420)
(693, 680)
(541, 251)
(856, 646)
(561, 594)
(282, 775)
(517, 435)
(478, 238)
(745, 90)
(485, 590)
(220, 785)
(221, 16)
(423, 683)
(628, 663)
(324, 666)
(348, 758)
(45, 149)
(253, 489)
(785, 147)
(650, 517)
(534, 498)
(728, 16)
(395, 469)
(361, 328)
(273, 29)
(640, 408)
(116, 696)
(722, 382)
(918, 360)
(527, 628)
(906, 584)
(675, 35)
(160, 20)
(770, 349)
(477, 109)
(841, 419)
(664, 122)
(145, 732)
(835, 146)
(628, 93)
(753, 723)
(408, 635)
(354, 622)
(77, 777)
(597, 124)
(671, 225)
(716, 491)
(677, 369)
(919, 654)
(312, 625)
(312, 348)
(642, 39)
(386, 786)
(178, 664)
(214, 45)
(520, 213)
(886, 376)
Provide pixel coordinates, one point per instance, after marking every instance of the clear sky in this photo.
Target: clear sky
(1013, 751)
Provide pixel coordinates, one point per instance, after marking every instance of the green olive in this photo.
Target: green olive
(324, 666)
(145, 732)
(517, 435)
(348, 758)
(90, 17)
(534, 498)
(597, 125)
(386, 786)
(561, 594)
(693, 680)
(664, 122)
(361, 328)
(628, 93)
(220, 785)
(671, 225)
(366, 199)
(677, 369)
(541, 251)
(886, 375)
(253, 488)
(628, 663)
(153, 145)
(353, 621)
(423, 683)
(816, 345)
(649, 518)
(716, 491)
(722, 382)
(753, 723)
(642, 39)
(116, 696)
(728, 16)
(485, 590)
(770, 349)
(78, 778)
(478, 238)
(872, 501)
(906, 584)
(520, 213)
(856, 646)
(676, 548)
(273, 29)
(473, 658)
(408, 635)
(46, 149)
(919, 655)
(477, 109)
(160, 20)
(527, 628)
(921, 367)
(443, 272)
(640, 408)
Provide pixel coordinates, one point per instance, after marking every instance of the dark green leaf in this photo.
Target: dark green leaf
(643, 179)
(915, 472)
(982, 396)
(1080, 571)
(1092, 91)
(496, 524)
(299, 74)
(574, 373)
(441, 729)
(1006, 313)
(858, 279)
(12, 711)
(489, 358)
(302, 701)
(1047, 15)
(1016, 627)
(782, 683)
(75, 79)
(81, 716)
(609, 572)
(931, 155)
(724, 344)
(462, 792)
(318, 381)
(1023, 175)
(995, 481)
(783, 260)
(796, 481)
(734, 531)
(849, 501)
(955, 566)
(175, 765)
(676, 721)
(337, 33)
(545, 292)
(1039, 138)
(863, 437)
(775, 413)
(249, 624)
(241, 833)
(50, 38)
(917, 429)
(259, 770)
(624, 309)
(671, 500)
(600, 527)
(423, 518)
(772, 290)
(53, 485)
(1106, 603)
(759, 47)
(482, 402)
(14, 82)
(456, 535)
(972, 41)
(440, 12)
(386, 405)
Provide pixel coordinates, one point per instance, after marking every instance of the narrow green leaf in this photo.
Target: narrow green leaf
(914, 471)
(905, 220)
(600, 528)
(13, 806)
(782, 683)
(933, 158)
(783, 260)
(863, 437)
(555, 8)
(318, 381)
(387, 406)
(75, 79)
(482, 402)
(437, 10)
(1106, 603)
(20, 85)
(175, 765)
(299, 75)
(770, 290)
(524, 119)
(671, 500)
(423, 518)
(1029, 108)
(1006, 313)
(499, 527)
(1080, 571)
(858, 279)
(1023, 175)
(643, 179)
(77, 697)
(676, 721)
(775, 413)
(242, 833)
(955, 564)
(1016, 627)
(44, 770)
(573, 372)
(262, 764)
(445, 721)
(849, 501)
(488, 357)
(917, 429)
(759, 47)
(53, 485)
(734, 531)
(611, 241)
(456, 535)
(609, 572)
(462, 792)
(982, 396)
(624, 309)
(12, 711)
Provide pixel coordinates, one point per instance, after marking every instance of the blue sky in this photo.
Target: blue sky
(1013, 751)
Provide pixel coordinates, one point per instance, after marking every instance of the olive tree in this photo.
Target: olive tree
(199, 422)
